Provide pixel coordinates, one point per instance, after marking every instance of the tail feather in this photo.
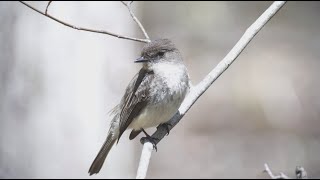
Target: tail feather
(100, 158)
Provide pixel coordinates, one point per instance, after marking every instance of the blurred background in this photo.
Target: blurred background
(57, 86)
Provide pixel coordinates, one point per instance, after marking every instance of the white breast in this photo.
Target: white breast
(171, 90)
(172, 73)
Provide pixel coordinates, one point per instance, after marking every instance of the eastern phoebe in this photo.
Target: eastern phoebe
(152, 97)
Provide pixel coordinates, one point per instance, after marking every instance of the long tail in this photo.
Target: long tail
(99, 160)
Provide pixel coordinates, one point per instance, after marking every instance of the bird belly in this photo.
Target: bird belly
(153, 115)
(167, 93)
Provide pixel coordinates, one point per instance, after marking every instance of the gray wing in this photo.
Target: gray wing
(134, 133)
(135, 98)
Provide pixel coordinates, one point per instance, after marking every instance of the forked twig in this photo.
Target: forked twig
(85, 29)
(46, 12)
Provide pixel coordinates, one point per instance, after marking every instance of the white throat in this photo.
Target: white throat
(172, 73)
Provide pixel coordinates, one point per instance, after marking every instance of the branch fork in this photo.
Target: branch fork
(128, 5)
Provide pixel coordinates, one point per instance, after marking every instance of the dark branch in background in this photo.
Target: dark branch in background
(300, 173)
(47, 7)
(86, 29)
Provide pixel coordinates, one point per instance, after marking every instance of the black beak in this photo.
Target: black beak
(141, 60)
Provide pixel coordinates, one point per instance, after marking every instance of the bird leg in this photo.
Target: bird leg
(150, 139)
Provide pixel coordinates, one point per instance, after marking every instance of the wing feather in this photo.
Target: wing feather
(135, 98)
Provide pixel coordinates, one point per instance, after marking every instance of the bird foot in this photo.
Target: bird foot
(167, 126)
(150, 139)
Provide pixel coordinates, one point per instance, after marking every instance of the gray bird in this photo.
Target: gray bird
(152, 97)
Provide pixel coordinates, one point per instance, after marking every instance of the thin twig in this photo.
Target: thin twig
(272, 176)
(128, 5)
(198, 90)
(47, 7)
(86, 29)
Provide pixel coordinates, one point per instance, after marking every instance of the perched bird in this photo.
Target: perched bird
(152, 97)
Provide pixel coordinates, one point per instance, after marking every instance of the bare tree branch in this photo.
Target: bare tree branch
(47, 7)
(144, 162)
(300, 173)
(86, 29)
(128, 5)
(198, 90)
(272, 176)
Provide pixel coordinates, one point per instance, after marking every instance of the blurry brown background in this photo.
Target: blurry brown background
(58, 84)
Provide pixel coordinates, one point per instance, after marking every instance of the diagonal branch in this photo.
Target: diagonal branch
(86, 29)
(128, 5)
(198, 90)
